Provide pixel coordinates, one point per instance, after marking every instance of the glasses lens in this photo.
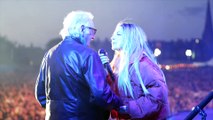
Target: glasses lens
(93, 30)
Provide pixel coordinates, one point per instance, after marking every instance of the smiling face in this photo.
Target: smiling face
(117, 38)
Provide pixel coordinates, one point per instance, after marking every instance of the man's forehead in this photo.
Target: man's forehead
(90, 24)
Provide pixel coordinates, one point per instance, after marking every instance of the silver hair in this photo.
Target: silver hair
(73, 22)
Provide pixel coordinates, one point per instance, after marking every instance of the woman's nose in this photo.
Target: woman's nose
(112, 38)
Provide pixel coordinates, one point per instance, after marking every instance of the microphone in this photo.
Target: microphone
(106, 65)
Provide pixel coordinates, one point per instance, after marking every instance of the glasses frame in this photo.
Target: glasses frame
(91, 28)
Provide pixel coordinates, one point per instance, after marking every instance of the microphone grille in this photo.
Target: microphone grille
(102, 51)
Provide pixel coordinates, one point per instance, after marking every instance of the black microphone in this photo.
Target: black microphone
(106, 65)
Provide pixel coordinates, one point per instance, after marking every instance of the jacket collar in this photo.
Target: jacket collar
(70, 38)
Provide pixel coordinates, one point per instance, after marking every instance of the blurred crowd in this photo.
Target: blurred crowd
(17, 98)
(187, 88)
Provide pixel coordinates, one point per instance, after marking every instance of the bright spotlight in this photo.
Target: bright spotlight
(167, 67)
(157, 52)
(188, 53)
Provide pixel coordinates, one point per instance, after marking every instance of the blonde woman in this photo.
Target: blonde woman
(139, 82)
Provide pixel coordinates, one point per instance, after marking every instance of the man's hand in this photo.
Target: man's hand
(104, 58)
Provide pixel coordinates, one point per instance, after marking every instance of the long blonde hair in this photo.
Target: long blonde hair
(134, 47)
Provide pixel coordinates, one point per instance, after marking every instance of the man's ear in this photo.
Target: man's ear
(82, 28)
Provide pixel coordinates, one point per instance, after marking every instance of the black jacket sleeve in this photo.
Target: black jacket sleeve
(95, 75)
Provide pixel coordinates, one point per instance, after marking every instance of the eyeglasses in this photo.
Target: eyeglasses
(92, 30)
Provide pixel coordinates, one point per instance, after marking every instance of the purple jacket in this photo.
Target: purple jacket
(72, 84)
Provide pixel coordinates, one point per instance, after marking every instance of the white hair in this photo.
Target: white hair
(73, 22)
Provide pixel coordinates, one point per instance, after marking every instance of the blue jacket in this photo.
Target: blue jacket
(72, 84)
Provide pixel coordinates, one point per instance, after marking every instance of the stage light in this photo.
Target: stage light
(167, 67)
(188, 53)
(157, 52)
(197, 41)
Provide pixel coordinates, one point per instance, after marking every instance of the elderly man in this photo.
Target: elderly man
(72, 81)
